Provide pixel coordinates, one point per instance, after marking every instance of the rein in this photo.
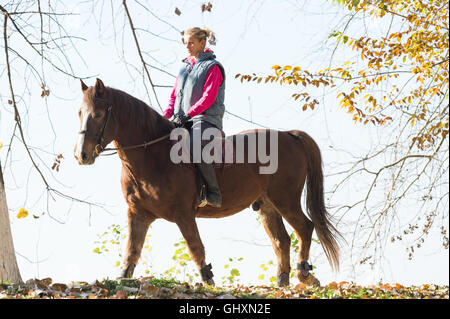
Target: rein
(134, 146)
(99, 148)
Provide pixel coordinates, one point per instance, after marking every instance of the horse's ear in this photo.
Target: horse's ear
(84, 87)
(99, 87)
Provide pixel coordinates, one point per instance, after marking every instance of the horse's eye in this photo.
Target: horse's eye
(97, 115)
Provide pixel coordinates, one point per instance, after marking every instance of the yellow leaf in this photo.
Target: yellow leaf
(22, 213)
(1, 144)
(276, 67)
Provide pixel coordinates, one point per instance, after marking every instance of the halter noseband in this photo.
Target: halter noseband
(99, 137)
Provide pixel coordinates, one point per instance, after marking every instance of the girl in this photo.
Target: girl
(197, 101)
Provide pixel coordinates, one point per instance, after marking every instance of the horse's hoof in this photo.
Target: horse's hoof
(128, 272)
(309, 280)
(283, 280)
(209, 282)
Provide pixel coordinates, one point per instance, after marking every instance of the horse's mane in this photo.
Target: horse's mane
(137, 114)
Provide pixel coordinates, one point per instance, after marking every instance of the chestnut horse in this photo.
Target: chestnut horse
(155, 187)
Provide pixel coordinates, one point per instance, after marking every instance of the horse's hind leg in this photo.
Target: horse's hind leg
(281, 242)
(288, 206)
(189, 230)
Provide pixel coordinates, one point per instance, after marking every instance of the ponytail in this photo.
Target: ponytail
(201, 34)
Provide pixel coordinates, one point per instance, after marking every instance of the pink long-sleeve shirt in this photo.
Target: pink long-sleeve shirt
(213, 80)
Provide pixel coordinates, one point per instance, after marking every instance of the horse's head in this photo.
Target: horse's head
(95, 123)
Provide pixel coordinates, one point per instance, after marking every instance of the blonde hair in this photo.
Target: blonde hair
(201, 34)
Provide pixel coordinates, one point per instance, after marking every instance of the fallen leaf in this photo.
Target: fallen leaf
(120, 294)
(150, 290)
(47, 281)
(278, 294)
(300, 286)
(59, 287)
(333, 285)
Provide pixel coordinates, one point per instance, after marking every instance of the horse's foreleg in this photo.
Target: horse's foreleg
(137, 230)
(189, 230)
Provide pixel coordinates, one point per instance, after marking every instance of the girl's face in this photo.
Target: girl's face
(193, 45)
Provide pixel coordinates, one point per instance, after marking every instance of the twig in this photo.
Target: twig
(144, 65)
(16, 111)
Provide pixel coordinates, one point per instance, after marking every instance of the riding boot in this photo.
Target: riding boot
(213, 195)
(201, 189)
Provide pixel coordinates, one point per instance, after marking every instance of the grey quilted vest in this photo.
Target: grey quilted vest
(190, 85)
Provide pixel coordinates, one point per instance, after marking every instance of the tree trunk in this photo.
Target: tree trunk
(9, 271)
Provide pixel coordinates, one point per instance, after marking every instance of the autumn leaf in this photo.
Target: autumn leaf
(401, 53)
(44, 92)
(235, 272)
(22, 213)
(206, 7)
(185, 256)
(333, 285)
(150, 287)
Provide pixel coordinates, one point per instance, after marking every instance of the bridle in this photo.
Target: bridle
(100, 137)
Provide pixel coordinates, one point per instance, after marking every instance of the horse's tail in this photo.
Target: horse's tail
(327, 233)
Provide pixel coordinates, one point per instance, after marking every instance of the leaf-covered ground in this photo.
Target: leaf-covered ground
(153, 288)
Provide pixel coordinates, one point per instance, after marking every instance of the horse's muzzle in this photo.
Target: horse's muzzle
(84, 159)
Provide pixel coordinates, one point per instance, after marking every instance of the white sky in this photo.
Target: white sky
(252, 36)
